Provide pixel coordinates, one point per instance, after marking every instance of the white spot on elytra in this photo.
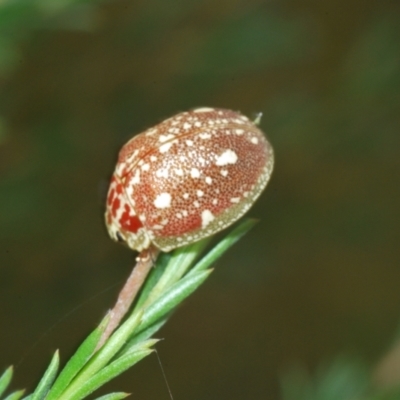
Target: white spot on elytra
(163, 200)
(136, 178)
(206, 218)
(179, 172)
(186, 126)
(194, 173)
(197, 124)
(200, 193)
(205, 135)
(224, 172)
(196, 204)
(165, 147)
(145, 167)
(215, 202)
(239, 131)
(153, 158)
(189, 142)
(208, 180)
(227, 157)
(185, 213)
(185, 196)
(165, 138)
(162, 173)
(254, 140)
(129, 191)
(235, 199)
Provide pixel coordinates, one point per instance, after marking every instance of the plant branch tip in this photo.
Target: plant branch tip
(95, 363)
(257, 119)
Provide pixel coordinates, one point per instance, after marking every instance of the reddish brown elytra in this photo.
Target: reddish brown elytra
(190, 176)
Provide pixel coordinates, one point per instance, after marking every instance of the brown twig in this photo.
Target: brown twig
(127, 295)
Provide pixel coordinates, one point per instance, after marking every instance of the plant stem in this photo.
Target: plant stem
(144, 263)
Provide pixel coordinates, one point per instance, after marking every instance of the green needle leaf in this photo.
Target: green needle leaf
(107, 373)
(154, 276)
(47, 379)
(104, 355)
(142, 335)
(77, 362)
(5, 379)
(134, 347)
(113, 396)
(223, 245)
(15, 395)
(175, 295)
(181, 260)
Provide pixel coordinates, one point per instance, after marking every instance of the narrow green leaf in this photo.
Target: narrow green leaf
(134, 347)
(15, 395)
(29, 397)
(109, 372)
(104, 355)
(181, 260)
(228, 241)
(156, 273)
(47, 379)
(113, 396)
(144, 334)
(146, 344)
(175, 295)
(77, 362)
(5, 379)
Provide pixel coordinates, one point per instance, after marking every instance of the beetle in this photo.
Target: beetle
(187, 178)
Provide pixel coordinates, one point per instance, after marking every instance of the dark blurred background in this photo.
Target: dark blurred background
(318, 277)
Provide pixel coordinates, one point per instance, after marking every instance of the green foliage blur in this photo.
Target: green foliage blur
(316, 279)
